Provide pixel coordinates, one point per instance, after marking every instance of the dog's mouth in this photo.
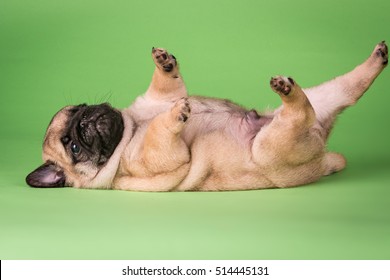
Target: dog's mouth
(94, 132)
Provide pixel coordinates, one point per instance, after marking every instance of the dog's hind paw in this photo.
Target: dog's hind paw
(165, 61)
(282, 85)
(380, 55)
(381, 51)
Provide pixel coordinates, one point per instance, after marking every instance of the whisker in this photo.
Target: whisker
(106, 97)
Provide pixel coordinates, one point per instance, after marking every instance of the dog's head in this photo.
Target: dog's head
(78, 145)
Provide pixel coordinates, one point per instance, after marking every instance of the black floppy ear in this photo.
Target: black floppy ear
(48, 175)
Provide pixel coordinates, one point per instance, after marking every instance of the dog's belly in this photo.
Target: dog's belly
(209, 115)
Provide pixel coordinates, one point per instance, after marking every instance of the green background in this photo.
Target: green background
(53, 53)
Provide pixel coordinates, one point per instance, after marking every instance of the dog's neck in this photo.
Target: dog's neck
(105, 177)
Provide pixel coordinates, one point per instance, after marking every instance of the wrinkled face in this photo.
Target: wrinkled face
(78, 143)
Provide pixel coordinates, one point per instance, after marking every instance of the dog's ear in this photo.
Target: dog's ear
(48, 175)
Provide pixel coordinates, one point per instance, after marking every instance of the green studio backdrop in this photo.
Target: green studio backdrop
(54, 53)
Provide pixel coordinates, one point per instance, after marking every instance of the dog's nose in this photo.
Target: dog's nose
(86, 122)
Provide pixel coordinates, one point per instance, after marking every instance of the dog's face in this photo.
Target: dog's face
(78, 143)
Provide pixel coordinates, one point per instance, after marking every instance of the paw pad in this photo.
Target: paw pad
(182, 110)
(382, 52)
(282, 85)
(163, 59)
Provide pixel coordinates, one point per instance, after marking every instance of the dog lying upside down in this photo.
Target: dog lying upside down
(168, 141)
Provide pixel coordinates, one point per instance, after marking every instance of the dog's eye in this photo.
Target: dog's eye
(75, 148)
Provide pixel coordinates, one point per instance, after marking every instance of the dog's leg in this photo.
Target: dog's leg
(290, 150)
(167, 83)
(332, 97)
(163, 149)
(164, 158)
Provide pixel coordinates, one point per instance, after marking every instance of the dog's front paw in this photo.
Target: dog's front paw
(165, 61)
(180, 113)
(282, 85)
(181, 110)
(381, 51)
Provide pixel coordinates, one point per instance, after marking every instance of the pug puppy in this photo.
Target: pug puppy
(168, 141)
